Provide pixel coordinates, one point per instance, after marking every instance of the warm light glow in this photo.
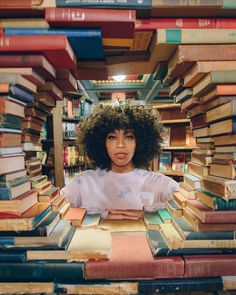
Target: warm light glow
(119, 78)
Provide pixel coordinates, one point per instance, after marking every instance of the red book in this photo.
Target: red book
(226, 23)
(38, 62)
(75, 215)
(91, 74)
(165, 23)
(56, 48)
(113, 23)
(1, 32)
(210, 265)
(131, 258)
(208, 215)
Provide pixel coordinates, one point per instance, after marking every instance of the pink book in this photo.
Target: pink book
(209, 265)
(166, 23)
(131, 258)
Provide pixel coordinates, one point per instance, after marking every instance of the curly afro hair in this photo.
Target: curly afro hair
(92, 133)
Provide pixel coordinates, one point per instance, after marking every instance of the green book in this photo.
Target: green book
(165, 215)
(152, 220)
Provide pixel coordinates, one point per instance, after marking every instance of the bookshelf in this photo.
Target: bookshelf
(178, 141)
(63, 160)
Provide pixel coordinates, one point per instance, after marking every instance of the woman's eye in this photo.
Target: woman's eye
(111, 137)
(130, 137)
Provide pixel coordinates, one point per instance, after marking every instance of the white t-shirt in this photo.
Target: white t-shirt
(98, 190)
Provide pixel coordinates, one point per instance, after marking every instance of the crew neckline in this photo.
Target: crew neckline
(122, 174)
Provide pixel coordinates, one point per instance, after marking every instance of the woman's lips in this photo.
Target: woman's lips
(120, 155)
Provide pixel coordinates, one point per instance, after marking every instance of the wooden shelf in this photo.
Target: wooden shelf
(175, 121)
(172, 173)
(177, 147)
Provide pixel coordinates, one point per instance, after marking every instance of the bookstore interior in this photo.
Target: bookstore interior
(62, 59)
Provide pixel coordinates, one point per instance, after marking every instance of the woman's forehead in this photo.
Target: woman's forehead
(118, 130)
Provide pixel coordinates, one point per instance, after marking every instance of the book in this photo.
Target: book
(20, 204)
(178, 161)
(55, 238)
(12, 107)
(152, 220)
(188, 233)
(125, 227)
(44, 228)
(165, 161)
(197, 225)
(192, 181)
(208, 215)
(197, 169)
(201, 68)
(132, 258)
(174, 208)
(15, 91)
(28, 220)
(160, 248)
(224, 90)
(228, 139)
(27, 73)
(47, 287)
(75, 216)
(122, 20)
(214, 77)
(37, 61)
(86, 43)
(222, 127)
(18, 80)
(166, 136)
(10, 137)
(58, 272)
(10, 164)
(174, 240)
(221, 112)
(217, 265)
(220, 186)
(90, 244)
(91, 221)
(128, 4)
(204, 285)
(214, 201)
(54, 48)
(8, 177)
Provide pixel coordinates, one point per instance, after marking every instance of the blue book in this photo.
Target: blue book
(86, 43)
(12, 256)
(19, 93)
(115, 4)
(210, 284)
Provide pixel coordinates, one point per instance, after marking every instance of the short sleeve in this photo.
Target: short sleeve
(71, 192)
(163, 188)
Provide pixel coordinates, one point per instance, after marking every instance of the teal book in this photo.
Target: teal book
(10, 121)
(214, 201)
(12, 256)
(152, 220)
(187, 232)
(165, 215)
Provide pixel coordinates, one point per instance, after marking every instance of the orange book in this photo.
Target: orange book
(218, 90)
(8, 139)
(75, 215)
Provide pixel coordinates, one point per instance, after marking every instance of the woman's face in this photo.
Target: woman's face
(120, 145)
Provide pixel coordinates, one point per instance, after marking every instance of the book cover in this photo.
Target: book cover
(75, 215)
(132, 258)
(58, 272)
(165, 161)
(178, 161)
(209, 266)
(37, 61)
(56, 48)
(86, 43)
(113, 23)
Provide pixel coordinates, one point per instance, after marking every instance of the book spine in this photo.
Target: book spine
(44, 271)
(116, 4)
(12, 256)
(182, 285)
(220, 36)
(5, 193)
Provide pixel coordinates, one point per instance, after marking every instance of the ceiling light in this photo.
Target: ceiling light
(119, 78)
